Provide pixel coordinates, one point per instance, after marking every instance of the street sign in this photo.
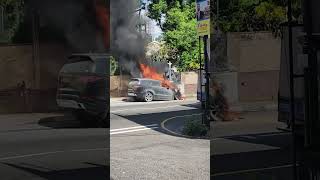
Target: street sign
(203, 17)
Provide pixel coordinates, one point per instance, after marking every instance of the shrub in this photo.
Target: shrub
(194, 128)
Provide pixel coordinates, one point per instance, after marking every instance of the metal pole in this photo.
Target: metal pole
(2, 19)
(200, 73)
(207, 75)
(170, 71)
(292, 101)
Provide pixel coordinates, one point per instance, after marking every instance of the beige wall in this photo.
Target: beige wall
(256, 58)
(15, 65)
(119, 86)
(251, 52)
(258, 86)
(190, 82)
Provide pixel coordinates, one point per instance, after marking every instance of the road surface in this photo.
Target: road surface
(251, 148)
(141, 149)
(51, 146)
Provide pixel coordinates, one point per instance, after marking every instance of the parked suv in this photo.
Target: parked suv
(149, 90)
(83, 88)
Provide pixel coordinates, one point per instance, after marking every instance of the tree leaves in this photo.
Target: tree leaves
(251, 15)
(179, 26)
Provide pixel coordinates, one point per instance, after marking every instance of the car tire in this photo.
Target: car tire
(148, 97)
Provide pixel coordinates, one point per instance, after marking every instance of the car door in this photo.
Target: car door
(167, 94)
(154, 86)
(162, 92)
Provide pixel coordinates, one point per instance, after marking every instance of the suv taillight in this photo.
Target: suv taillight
(137, 88)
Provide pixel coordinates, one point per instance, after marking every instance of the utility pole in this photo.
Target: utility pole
(1, 19)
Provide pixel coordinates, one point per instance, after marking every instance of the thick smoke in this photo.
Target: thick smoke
(126, 42)
(74, 19)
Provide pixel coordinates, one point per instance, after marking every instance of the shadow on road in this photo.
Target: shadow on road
(63, 122)
(95, 172)
(157, 118)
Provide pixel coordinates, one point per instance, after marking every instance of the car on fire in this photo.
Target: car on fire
(143, 89)
(83, 88)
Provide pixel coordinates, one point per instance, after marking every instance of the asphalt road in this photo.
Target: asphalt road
(141, 149)
(251, 148)
(51, 146)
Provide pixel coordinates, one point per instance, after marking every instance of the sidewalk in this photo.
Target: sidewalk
(255, 106)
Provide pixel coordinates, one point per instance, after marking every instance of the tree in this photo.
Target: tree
(253, 15)
(177, 20)
(13, 15)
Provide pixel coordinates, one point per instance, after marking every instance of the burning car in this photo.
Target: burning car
(148, 90)
(153, 86)
(83, 88)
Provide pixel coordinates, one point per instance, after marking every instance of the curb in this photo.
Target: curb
(252, 108)
(163, 126)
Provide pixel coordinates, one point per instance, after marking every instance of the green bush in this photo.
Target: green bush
(194, 128)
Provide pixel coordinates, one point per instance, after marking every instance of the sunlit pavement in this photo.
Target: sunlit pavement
(141, 149)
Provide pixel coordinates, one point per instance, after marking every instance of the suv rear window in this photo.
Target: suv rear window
(101, 66)
(134, 82)
(78, 67)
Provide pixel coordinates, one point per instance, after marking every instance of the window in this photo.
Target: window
(156, 83)
(78, 67)
(134, 82)
(101, 66)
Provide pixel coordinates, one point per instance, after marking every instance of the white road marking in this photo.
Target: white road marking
(135, 130)
(135, 127)
(52, 152)
(174, 117)
(252, 170)
(121, 103)
(135, 109)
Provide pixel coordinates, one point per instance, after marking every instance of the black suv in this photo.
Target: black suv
(83, 88)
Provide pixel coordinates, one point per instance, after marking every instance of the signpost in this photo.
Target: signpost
(203, 31)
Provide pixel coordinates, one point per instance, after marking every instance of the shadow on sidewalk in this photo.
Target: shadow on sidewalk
(274, 163)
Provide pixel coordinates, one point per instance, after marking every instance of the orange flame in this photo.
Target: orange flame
(103, 17)
(151, 73)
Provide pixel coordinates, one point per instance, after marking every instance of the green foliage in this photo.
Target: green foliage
(113, 66)
(194, 128)
(13, 17)
(177, 21)
(252, 15)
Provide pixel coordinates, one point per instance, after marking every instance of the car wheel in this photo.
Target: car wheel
(148, 97)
